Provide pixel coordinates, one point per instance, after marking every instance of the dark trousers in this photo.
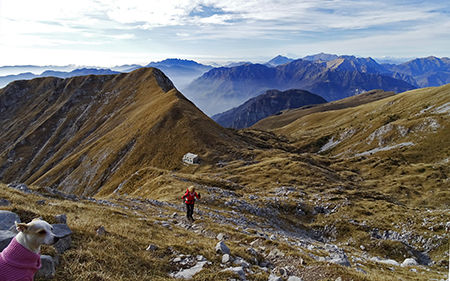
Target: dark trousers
(189, 210)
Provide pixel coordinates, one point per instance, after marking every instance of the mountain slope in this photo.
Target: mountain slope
(288, 116)
(416, 123)
(88, 133)
(264, 105)
(427, 72)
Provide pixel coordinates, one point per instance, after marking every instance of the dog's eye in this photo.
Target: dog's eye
(42, 232)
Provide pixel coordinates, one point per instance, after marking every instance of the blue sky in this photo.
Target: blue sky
(116, 32)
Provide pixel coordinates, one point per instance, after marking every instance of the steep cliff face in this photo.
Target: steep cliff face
(83, 134)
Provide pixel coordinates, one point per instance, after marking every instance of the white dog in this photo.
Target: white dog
(21, 259)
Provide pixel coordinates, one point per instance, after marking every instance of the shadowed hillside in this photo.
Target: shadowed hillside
(264, 105)
(85, 133)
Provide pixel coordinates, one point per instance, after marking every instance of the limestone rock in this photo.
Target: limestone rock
(4, 202)
(273, 277)
(152, 248)
(61, 230)
(190, 272)
(238, 270)
(20, 186)
(221, 248)
(294, 278)
(226, 258)
(47, 270)
(409, 262)
(61, 218)
(5, 238)
(240, 261)
(7, 220)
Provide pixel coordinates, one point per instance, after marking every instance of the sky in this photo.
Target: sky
(117, 32)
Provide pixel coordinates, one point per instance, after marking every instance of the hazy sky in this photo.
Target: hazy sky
(115, 32)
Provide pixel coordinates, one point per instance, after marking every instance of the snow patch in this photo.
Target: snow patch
(400, 145)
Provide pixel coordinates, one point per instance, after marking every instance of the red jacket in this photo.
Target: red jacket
(189, 198)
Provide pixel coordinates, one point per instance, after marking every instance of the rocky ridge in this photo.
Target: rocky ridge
(51, 125)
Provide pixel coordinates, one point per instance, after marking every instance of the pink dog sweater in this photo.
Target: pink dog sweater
(17, 263)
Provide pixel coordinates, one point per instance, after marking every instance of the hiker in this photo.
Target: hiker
(189, 199)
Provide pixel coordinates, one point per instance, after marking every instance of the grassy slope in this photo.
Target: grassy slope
(89, 133)
(121, 254)
(290, 115)
(411, 116)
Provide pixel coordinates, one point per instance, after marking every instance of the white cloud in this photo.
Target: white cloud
(306, 15)
(130, 25)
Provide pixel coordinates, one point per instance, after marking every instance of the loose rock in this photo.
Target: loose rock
(409, 262)
(221, 248)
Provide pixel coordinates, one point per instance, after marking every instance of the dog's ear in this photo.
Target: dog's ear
(21, 227)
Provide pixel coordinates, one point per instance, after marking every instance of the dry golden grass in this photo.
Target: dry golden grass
(121, 254)
(409, 113)
(89, 133)
(290, 115)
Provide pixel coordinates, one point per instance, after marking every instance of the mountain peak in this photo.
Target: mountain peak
(321, 57)
(90, 133)
(279, 60)
(174, 62)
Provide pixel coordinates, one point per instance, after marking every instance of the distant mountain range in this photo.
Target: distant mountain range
(216, 90)
(35, 69)
(262, 106)
(223, 88)
(427, 72)
(181, 72)
(4, 80)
